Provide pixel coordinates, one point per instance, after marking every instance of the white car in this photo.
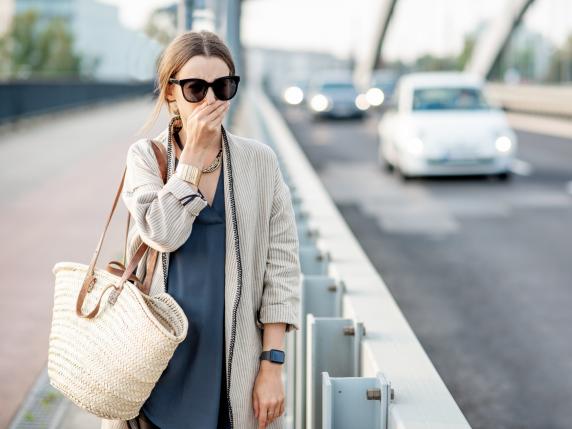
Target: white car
(439, 123)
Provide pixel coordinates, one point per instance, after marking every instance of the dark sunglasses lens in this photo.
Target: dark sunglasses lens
(225, 88)
(194, 91)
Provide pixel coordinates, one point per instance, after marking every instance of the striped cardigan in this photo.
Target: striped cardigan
(262, 268)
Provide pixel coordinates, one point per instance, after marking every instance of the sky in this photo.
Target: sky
(418, 26)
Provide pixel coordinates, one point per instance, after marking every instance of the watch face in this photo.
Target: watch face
(277, 356)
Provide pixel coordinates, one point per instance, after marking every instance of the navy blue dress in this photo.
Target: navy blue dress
(191, 392)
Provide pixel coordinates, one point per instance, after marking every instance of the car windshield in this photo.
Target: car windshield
(449, 99)
(337, 86)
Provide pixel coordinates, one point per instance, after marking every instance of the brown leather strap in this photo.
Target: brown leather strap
(161, 156)
(119, 272)
(90, 278)
(149, 270)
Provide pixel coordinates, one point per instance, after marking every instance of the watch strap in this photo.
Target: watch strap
(267, 355)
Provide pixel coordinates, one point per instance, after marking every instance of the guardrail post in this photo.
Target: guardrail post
(322, 297)
(355, 402)
(291, 368)
(332, 345)
(313, 260)
(306, 234)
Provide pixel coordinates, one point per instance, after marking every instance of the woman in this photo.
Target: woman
(225, 227)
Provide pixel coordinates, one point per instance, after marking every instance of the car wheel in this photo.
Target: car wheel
(504, 176)
(387, 166)
(381, 161)
(404, 176)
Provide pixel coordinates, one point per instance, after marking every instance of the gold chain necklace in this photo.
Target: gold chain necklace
(214, 165)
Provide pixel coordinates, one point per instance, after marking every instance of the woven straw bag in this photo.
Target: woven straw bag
(108, 360)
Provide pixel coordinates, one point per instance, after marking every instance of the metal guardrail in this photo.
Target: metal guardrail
(548, 100)
(23, 99)
(337, 375)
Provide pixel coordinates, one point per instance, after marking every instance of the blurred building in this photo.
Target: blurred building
(6, 12)
(111, 50)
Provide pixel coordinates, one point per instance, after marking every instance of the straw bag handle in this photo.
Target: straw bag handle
(145, 286)
(161, 156)
(90, 279)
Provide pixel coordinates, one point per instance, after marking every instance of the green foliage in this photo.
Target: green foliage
(467, 51)
(38, 50)
(560, 69)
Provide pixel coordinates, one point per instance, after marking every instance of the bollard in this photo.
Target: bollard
(355, 402)
(333, 345)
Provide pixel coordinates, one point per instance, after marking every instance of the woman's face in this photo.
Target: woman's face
(202, 67)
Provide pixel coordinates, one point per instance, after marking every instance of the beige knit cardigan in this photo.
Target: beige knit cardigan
(262, 268)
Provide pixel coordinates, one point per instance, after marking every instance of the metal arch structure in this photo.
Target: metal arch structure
(491, 44)
(365, 66)
(220, 16)
(486, 53)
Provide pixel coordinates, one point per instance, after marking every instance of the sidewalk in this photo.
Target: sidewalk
(40, 211)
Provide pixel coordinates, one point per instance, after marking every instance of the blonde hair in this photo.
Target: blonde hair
(180, 50)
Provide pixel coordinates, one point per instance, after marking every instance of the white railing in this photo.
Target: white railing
(356, 359)
(550, 100)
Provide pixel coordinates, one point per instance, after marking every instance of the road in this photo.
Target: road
(481, 268)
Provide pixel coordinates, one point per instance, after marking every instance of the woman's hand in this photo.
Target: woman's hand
(268, 393)
(203, 124)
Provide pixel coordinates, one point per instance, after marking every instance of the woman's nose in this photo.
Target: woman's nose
(210, 97)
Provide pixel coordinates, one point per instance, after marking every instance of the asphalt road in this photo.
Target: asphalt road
(481, 268)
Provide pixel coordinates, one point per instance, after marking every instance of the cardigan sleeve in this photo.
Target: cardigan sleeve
(281, 292)
(163, 212)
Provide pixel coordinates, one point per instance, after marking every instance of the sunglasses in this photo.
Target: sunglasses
(194, 90)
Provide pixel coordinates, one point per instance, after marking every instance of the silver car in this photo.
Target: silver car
(335, 98)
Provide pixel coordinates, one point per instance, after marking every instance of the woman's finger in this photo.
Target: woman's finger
(216, 112)
(255, 405)
(262, 415)
(218, 119)
(199, 110)
(276, 411)
(207, 108)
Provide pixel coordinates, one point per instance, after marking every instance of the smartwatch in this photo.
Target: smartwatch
(273, 355)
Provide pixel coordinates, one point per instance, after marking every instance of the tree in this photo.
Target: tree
(30, 50)
(560, 69)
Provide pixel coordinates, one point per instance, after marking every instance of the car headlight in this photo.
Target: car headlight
(361, 102)
(375, 96)
(319, 102)
(293, 95)
(415, 146)
(503, 144)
